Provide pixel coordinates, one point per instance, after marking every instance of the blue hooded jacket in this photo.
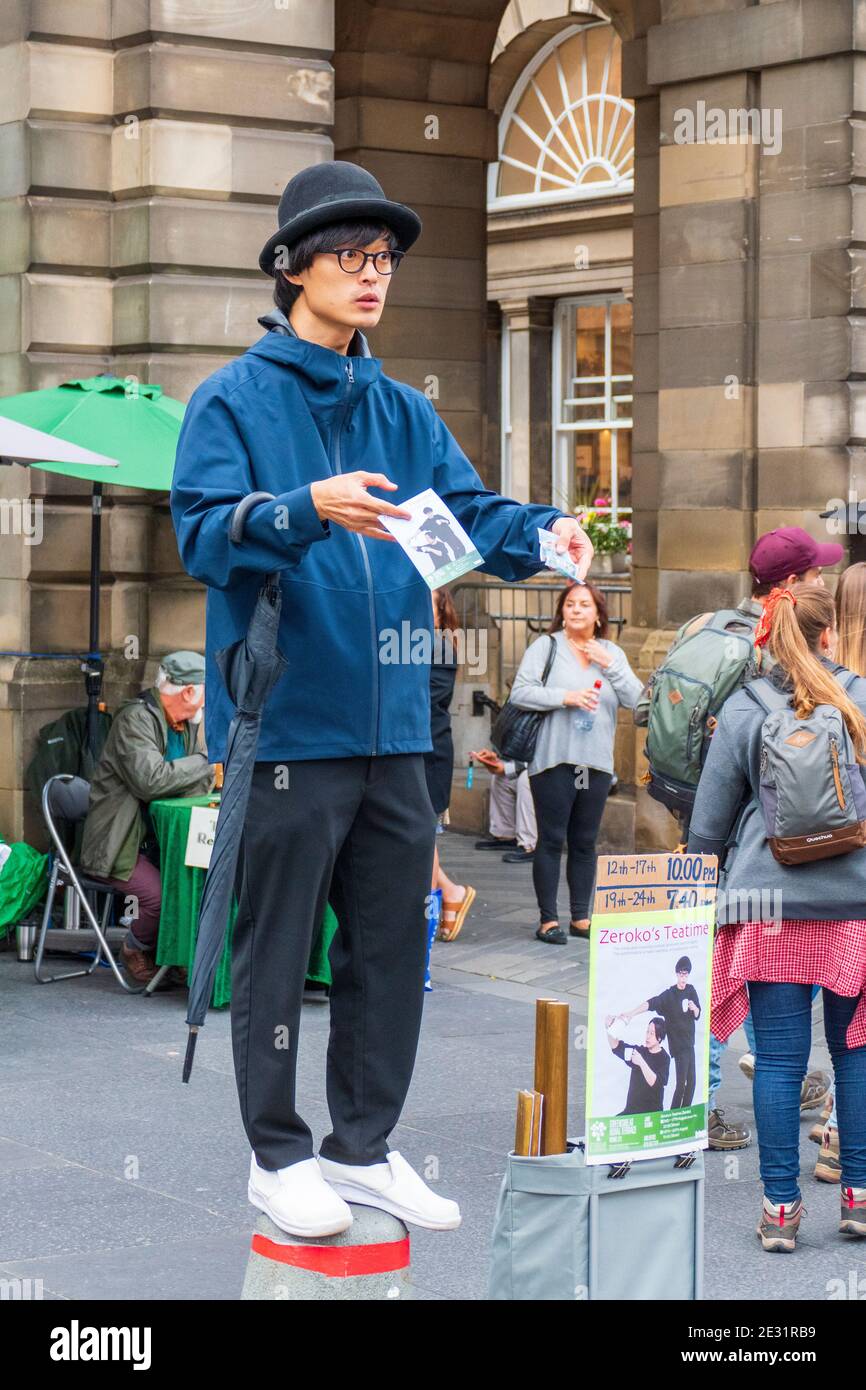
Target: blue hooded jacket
(282, 415)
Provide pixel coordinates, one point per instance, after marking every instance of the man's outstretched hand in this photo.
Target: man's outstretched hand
(344, 499)
(575, 540)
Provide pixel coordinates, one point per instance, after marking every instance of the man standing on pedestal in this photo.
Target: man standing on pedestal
(339, 807)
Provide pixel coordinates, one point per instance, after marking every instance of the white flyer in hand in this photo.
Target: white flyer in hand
(433, 539)
(562, 562)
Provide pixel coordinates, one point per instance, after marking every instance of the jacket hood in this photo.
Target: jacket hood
(323, 371)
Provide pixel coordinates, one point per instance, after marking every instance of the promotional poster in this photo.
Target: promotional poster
(649, 1006)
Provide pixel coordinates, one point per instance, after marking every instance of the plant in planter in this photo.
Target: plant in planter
(611, 540)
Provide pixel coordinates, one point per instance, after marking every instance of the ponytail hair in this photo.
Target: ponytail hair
(851, 618)
(795, 629)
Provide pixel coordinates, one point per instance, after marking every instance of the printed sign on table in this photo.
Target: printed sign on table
(433, 539)
(199, 841)
(649, 1006)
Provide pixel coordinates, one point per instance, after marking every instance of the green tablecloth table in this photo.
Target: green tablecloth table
(181, 894)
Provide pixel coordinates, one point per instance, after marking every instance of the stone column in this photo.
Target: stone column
(757, 286)
(530, 327)
(754, 422)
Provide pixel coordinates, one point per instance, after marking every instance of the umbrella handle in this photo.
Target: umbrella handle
(190, 1052)
(241, 512)
(236, 528)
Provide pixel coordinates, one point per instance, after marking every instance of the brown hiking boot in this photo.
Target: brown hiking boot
(780, 1223)
(141, 965)
(815, 1090)
(816, 1133)
(829, 1165)
(722, 1135)
(853, 1218)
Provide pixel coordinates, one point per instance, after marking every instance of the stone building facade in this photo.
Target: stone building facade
(143, 146)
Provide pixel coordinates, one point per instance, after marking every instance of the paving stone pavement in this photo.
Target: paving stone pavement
(117, 1181)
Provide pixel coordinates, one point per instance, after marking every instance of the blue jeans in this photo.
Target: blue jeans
(782, 1017)
(716, 1050)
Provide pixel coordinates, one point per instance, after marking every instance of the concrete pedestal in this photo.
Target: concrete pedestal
(369, 1261)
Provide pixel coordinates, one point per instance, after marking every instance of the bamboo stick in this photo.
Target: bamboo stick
(551, 1072)
(541, 1041)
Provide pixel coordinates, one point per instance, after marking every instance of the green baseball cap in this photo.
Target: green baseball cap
(184, 668)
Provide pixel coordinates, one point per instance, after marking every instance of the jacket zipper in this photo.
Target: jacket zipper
(834, 754)
(347, 405)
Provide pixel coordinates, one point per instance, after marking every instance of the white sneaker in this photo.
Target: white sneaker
(298, 1199)
(747, 1065)
(392, 1186)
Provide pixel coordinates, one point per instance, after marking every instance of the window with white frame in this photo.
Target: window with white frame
(566, 131)
(592, 404)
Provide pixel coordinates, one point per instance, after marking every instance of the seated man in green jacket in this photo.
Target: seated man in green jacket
(153, 750)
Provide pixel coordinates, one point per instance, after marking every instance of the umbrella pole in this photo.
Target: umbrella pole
(93, 668)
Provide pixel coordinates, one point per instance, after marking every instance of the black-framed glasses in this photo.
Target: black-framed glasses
(353, 261)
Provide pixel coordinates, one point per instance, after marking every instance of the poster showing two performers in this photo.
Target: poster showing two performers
(649, 1006)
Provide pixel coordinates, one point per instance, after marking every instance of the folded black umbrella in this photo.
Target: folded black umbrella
(250, 669)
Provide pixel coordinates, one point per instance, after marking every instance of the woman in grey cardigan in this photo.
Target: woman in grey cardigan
(787, 927)
(571, 771)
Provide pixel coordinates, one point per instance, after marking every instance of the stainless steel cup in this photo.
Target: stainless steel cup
(25, 936)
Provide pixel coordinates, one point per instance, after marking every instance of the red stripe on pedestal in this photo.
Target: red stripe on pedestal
(337, 1261)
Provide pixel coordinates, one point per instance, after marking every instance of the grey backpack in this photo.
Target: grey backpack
(811, 788)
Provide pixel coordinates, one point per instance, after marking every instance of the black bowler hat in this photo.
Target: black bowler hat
(336, 192)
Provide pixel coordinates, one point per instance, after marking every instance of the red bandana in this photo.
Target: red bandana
(762, 631)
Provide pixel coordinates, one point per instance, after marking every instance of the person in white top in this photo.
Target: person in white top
(572, 766)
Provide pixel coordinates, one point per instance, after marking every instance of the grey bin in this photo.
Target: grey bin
(566, 1231)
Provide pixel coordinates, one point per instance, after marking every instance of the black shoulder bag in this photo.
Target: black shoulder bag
(515, 731)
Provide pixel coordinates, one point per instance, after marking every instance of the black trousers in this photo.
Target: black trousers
(566, 813)
(358, 832)
(686, 1076)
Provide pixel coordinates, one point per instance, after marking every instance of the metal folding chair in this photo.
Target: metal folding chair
(66, 799)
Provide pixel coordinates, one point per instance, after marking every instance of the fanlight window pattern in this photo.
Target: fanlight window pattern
(567, 132)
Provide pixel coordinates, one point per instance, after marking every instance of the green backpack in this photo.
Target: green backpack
(685, 695)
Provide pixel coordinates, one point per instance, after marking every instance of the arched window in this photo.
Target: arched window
(566, 132)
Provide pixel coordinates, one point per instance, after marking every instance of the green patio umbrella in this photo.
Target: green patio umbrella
(130, 421)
